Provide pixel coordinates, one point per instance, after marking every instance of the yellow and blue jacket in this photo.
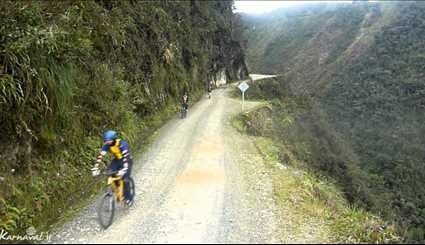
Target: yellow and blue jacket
(119, 150)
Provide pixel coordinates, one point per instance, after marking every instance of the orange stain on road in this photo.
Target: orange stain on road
(208, 148)
(201, 176)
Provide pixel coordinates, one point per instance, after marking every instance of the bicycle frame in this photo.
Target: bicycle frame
(117, 186)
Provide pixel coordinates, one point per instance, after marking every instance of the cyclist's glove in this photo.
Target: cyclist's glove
(122, 172)
(95, 171)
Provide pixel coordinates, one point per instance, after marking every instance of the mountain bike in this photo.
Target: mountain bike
(183, 112)
(114, 193)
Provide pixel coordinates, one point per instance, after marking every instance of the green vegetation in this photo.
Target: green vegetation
(69, 70)
(352, 85)
(310, 198)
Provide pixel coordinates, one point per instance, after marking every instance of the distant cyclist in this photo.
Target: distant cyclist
(209, 89)
(185, 104)
(122, 161)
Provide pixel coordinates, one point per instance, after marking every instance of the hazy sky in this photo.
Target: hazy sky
(258, 7)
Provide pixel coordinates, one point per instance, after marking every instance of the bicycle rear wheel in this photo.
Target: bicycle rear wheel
(183, 113)
(106, 210)
(132, 190)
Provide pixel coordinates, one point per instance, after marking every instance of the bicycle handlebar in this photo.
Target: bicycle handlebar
(97, 172)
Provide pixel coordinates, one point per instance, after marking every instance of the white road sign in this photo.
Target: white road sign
(243, 86)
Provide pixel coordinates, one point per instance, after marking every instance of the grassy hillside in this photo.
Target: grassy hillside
(310, 201)
(69, 70)
(350, 98)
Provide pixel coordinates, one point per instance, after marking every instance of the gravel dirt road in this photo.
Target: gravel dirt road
(199, 182)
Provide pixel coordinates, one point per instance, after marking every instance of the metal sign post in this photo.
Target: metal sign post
(243, 87)
(243, 100)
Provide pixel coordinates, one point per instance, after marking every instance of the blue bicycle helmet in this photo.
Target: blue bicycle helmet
(109, 135)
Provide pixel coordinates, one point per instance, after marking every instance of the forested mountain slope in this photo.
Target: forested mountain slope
(354, 74)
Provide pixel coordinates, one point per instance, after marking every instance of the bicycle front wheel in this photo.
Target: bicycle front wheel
(106, 210)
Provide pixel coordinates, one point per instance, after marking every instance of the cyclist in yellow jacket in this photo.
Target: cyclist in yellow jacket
(122, 161)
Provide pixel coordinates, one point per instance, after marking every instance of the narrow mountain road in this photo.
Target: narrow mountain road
(199, 182)
(260, 76)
